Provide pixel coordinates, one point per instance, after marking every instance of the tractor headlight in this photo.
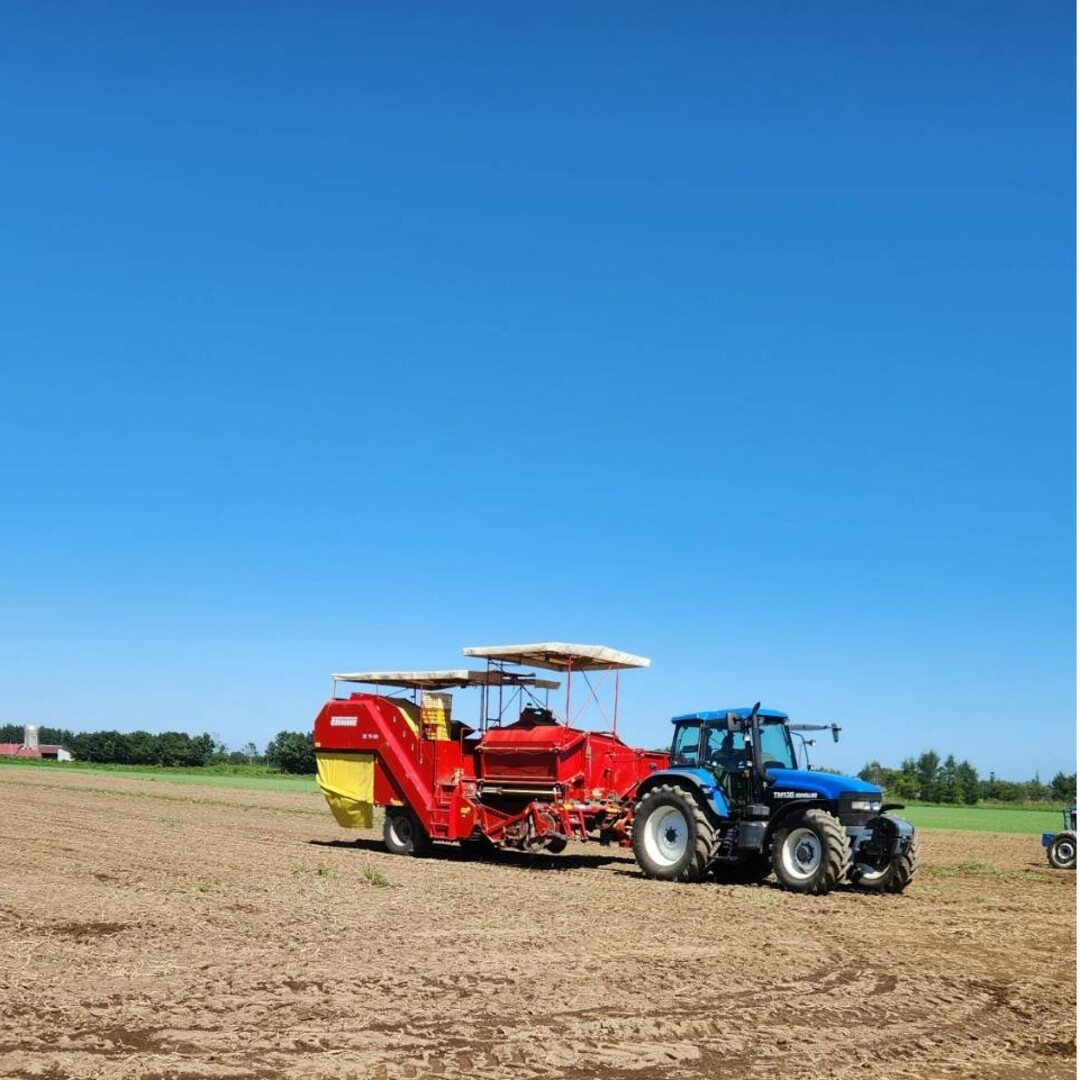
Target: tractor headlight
(865, 804)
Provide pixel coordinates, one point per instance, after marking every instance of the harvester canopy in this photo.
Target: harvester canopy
(444, 680)
(558, 656)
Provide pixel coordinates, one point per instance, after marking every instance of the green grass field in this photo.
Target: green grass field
(1029, 820)
(227, 776)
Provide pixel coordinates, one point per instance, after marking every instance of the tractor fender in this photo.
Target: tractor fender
(793, 809)
(699, 782)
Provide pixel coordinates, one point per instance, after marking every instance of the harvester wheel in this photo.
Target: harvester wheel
(811, 852)
(556, 844)
(1061, 852)
(403, 834)
(672, 837)
(893, 877)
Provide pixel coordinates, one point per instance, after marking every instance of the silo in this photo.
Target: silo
(30, 737)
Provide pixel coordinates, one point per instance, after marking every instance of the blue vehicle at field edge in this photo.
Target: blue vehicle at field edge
(1061, 846)
(735, 804)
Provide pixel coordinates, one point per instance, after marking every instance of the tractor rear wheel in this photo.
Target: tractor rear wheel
(402, 832)
(672, 837)
(1061, 852)
(811, 852)
(893, 877)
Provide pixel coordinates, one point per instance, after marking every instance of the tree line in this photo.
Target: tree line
(169, 748)
(929, 778)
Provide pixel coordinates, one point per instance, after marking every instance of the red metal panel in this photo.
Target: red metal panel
(543, 778)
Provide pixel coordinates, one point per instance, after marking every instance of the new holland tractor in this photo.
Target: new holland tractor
(734, 803)
(1061, 846)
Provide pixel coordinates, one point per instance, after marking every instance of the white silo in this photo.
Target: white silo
(30, 737)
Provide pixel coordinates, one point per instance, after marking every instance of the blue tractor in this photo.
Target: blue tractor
(735, 804)
(1061, 847)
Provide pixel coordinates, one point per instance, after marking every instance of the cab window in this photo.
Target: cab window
(725, 748)
(776, 748)
(684, 750)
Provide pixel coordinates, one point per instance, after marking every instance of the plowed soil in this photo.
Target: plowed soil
(154, 930)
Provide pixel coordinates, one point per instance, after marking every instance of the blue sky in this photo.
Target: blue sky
(347, 336)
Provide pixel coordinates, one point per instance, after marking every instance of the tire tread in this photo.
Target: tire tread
(704, 836)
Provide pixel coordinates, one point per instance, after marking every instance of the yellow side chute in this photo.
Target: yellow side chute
(348, 782)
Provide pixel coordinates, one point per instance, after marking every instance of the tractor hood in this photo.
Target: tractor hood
(827, 785)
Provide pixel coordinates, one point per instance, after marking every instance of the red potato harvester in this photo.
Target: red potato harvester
(532, 783)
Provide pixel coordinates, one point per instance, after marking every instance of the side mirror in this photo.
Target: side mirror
(835, 733)
(733, 722)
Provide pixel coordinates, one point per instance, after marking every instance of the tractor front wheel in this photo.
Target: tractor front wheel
(893, 877)
(402, 832)
(672, 837)
(811, 853)
(1061, 852)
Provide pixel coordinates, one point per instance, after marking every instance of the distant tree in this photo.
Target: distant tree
(142, 748)
(946, 782)
(1036, 790)
(995, 790)
(905, 783)
(55, 736)
(291, 752)
(873, 773)
(202, 750)
(251, 752)
(967, 783)
(927, 770)
(1063, 788)
(105, 747)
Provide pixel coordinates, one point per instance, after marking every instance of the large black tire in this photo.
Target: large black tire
(402, 832)
(1061, 851)
(894, 877)
(556, 844)
(811, 853)
(672, 837)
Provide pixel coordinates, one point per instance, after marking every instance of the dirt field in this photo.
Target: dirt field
(152, 930)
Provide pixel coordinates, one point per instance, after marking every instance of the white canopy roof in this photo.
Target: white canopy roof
(443, 680)
(558, 656)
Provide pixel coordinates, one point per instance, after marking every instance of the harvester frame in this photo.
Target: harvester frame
(533, 783)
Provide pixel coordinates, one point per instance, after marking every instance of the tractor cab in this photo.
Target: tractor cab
(719, 739)
(722, 742)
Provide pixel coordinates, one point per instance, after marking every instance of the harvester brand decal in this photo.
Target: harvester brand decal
(343, 721)
(793, 795)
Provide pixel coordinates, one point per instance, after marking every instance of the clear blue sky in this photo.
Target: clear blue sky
(340, 336)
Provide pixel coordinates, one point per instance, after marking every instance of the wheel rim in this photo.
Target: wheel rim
(666, 836)
(401, 829)
(1065, 851)
(866, 872)
(801, 853)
